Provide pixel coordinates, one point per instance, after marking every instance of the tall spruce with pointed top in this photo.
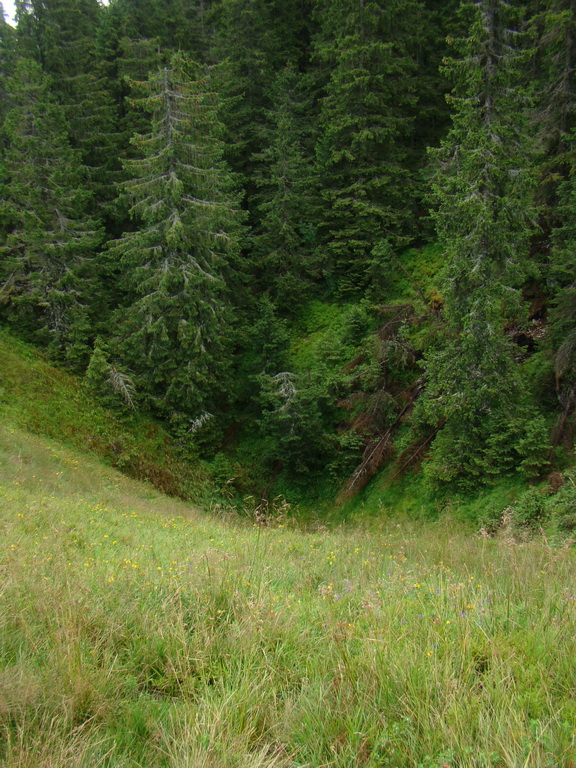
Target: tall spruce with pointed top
(47, 256)
(173, 331)
(483, 187)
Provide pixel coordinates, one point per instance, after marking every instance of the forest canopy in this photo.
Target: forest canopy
(315, 239)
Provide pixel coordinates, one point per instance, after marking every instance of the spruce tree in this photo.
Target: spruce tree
(365, 133)
(136, 61)
(61, 36)
(562, 326)
(48, 252)
(7, 58)
(176, 24)
(252, 41)
(483, 187)
(172, 331)
(554, 26)
(285, 233)
(243, 45)
(429, 46)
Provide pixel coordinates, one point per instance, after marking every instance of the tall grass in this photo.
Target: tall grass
(138, 631)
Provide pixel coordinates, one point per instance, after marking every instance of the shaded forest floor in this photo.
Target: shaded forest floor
(137, 630)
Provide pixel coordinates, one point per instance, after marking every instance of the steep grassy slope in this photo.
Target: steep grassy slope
(47, 401)
(138, 631)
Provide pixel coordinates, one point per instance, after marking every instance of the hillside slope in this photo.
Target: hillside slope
(47, 401)
(50, 402)
(136, 630)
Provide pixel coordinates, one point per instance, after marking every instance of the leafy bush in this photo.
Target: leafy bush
(531, 509)
(562, 506)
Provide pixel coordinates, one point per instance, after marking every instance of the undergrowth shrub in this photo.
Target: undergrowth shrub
(468, 456)
(562, 506)
(536, 510)
(530, 511)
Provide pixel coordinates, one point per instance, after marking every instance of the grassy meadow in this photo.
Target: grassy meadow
(139, 631)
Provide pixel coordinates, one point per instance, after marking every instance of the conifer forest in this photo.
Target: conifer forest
(316, 240)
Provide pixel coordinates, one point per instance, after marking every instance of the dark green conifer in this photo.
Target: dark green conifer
(483, 187)
(553, 28)
(175, 24)
(252, 41)
(137, 60)
(243, 46)
(7, 58)
(562, 326)
(173, 331)
(61, 36)
(285, 233)
(46, 259)
(365, 133)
